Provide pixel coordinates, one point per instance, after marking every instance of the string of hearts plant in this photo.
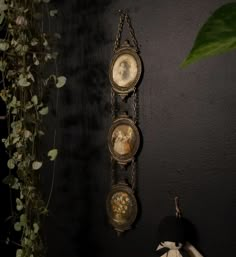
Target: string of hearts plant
(26, 50)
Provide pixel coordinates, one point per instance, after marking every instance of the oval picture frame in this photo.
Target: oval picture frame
(121, 207)
(123, 140)
(125, 70)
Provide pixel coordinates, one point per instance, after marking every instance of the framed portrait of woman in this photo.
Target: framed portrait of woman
(123, 140)
(125, 70)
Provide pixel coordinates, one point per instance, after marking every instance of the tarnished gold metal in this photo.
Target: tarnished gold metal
(121, 207)
(125, 70)
(123, 139)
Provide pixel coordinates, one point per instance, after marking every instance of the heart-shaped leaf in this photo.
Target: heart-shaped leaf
(36, 165)
(52, 154)
(61, 81)
(44, 111)
(217, 35)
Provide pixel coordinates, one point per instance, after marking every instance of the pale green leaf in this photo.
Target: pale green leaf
(27, 133)
(3, 45)
(44, 111)
(53, 13)
(217, 35)
(23, 219)
(34, 99)
(36, 228)
(19, 204)
(19, 253)
(52, 154)
(23, 82)
(17, 227)
(3, 65)
(36, 165)
(61, 81)
(11, 164)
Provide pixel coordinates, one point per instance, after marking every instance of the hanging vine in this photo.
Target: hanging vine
(26, 50)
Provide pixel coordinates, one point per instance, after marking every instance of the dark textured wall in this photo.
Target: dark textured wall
(188, 123)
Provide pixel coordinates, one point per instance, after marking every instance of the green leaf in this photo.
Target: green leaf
(36, 165)
(36, 228)
(23, 219)
(61, 81)
(3, 6)
(44, 111)
(3, 64)
(34, 100)
(19, 253)
(19, 204)
(217, 35)
(53, 13)
(23, 81)
(52, 154)
(3, 45)
(17, 227)
(11, 164)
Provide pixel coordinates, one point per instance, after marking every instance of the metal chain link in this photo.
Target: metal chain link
(135, 106)
(133, 174)
(132, 33)
(112, 171)
(124, 16)
(119, 32)
(113, 104)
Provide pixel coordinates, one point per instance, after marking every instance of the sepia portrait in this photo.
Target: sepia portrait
(123, 140)
(125, 70)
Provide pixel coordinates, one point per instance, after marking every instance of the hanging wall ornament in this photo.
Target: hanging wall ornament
(173, 237)
(126, 65)
(124, 135)
(123, 139)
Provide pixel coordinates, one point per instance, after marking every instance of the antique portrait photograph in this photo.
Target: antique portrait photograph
(123, 139)
(125, 70)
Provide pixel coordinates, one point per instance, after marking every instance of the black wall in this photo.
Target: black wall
(187, 119)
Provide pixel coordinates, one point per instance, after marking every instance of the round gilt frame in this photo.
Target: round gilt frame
(130, 86)
(123, 159)
(122, 225)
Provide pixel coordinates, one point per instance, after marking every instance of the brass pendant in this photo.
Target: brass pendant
(123, 139)
(125, 70)
(121, 207)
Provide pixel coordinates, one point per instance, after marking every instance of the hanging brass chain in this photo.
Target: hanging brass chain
(113, 104)
(124, 16)
(112, 172)
(133, 174)
(132, 33)
(135, 106)
(119, 32)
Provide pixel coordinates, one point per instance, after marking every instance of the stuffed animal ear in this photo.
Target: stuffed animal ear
(191, 250)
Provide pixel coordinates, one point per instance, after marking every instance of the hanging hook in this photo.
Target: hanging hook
(177, 208)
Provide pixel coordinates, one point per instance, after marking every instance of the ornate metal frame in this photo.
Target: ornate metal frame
(123, 159)
(129, 52)
(121, 207)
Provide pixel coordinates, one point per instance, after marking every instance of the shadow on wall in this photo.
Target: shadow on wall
(84, 106)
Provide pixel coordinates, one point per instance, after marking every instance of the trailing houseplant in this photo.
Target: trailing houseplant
(217, 35)
(26, 50)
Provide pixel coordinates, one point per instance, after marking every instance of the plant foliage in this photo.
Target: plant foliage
(218, 35)
(26, 50)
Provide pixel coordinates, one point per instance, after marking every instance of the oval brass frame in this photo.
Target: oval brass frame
(124, 91)
(123, 188)
(126, 158)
